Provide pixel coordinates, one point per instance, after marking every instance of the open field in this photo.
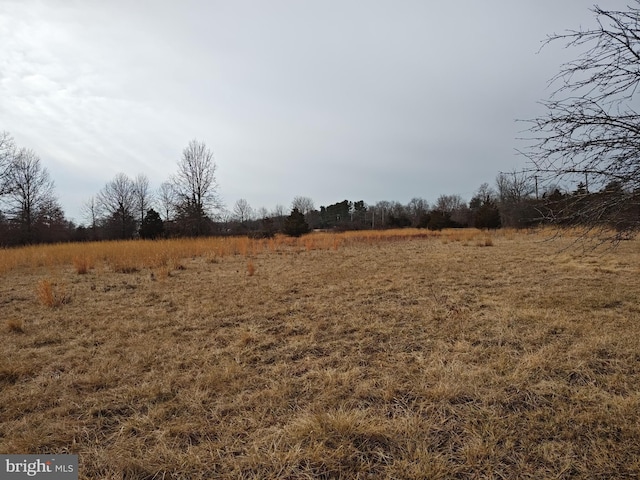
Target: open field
(402, 355)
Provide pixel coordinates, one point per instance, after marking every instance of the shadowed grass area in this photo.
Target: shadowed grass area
(450, 355)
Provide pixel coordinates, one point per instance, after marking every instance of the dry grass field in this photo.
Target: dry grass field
(403, 355)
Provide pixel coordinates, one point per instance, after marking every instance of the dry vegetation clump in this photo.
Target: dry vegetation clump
(15, 325)
(82, 264)
(52, 294)
(484, 242)
(389, 358)
(251, 268)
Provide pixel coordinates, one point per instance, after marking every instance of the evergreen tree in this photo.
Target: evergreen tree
(120, 225)
(487, 215)
(295, 224)
(439, 219)
(192, 221)
(152, 225)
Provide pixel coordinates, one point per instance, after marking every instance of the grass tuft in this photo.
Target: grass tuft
(82, 264)
(51, 295)
(177, 264)
(163, 272)
(251, 268)
(15, 325)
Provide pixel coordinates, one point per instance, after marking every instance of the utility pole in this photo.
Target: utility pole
(586, 182)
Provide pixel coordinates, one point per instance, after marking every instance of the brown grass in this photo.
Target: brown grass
(251, 268)
(360, 355)
(51, 294)
(15, 325)
(82, 264)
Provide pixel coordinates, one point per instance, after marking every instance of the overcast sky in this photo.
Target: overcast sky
(361, 100)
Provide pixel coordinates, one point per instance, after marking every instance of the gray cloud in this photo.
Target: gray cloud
(332, 100)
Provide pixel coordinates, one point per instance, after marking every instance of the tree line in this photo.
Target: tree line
(124, 208)
(514, 201)
(188, 204)
(30, 210)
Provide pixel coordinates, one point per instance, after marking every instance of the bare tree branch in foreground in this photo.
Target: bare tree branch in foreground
(590, 135)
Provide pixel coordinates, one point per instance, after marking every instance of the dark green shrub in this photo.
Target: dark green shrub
(295, 225)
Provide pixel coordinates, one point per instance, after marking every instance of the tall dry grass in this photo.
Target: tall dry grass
(134, 255)
(350, 355)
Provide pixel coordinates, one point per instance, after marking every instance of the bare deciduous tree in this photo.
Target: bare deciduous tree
(515, 190)
(262, 213)
(514, 187)
(91, 212)
(417, 206)
(29, 191)
(142, 196)
(117, 201)
(168, 198)
(242, 210)
(195, 183)
(278, 215)
(591, 130)
(278, 211)
(382, 209)
(196, 188)
(303, 204)
(417, 209)
(484, 194)
(449, 203)
(7, 155)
